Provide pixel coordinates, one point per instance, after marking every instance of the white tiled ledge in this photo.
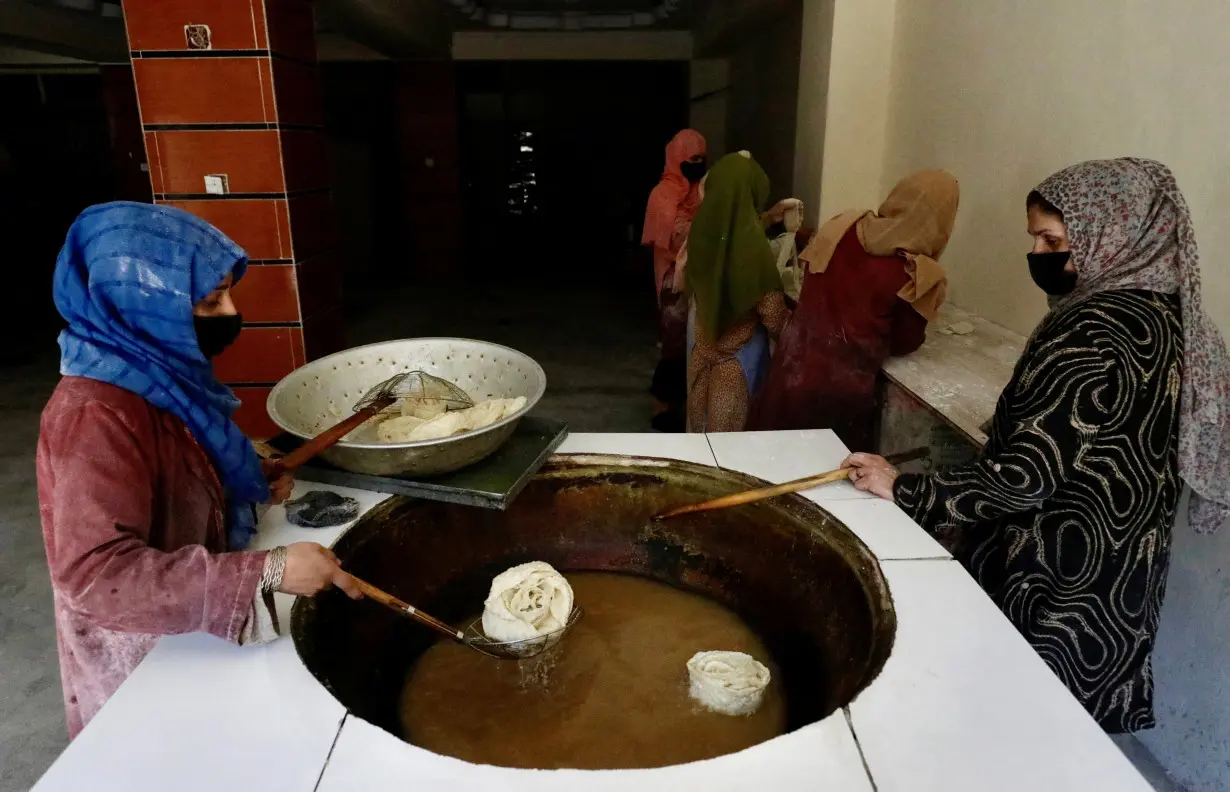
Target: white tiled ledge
(962, 705)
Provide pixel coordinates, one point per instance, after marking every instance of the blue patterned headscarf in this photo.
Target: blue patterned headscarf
(125, 282)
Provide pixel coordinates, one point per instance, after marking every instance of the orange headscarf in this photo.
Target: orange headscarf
(674, 196)
(914, 222)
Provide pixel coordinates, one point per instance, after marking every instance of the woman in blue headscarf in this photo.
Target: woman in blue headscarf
(146, 486)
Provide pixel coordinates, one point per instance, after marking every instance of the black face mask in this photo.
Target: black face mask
(216, 333)
(1047, 270)
(693, 171)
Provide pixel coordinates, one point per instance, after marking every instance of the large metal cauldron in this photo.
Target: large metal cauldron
(794, 573)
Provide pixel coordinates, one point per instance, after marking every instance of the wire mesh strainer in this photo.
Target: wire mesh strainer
(473, 635)
(518, 650)
(419, 386)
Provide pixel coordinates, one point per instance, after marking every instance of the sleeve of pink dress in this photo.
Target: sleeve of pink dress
(103, 566)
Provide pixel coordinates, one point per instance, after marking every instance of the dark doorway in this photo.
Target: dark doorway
(559, 158)
(55, 160)
(556, 162)
(360, 121)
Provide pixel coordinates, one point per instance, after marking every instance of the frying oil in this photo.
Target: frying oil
(612, 694)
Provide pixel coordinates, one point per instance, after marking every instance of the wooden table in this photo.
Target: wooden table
(959, 377)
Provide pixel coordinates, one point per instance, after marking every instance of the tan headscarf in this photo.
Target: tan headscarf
(914, 222)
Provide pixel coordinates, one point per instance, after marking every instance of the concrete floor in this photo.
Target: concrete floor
(596, 342)
(31, 705)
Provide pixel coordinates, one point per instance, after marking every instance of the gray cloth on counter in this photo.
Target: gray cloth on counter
(321, 509)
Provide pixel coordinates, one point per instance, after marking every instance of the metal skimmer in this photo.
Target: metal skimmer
(416, 385)
(473, 636)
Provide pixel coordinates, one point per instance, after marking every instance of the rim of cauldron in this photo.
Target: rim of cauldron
(858, 556)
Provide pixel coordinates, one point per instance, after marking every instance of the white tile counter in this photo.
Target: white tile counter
(784, 456)
(958, 662)
(820, 756)
(202, 715)
(884, 528)
(685, 447)
(962, 705)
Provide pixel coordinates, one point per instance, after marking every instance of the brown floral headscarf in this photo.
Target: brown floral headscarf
(1129, 228)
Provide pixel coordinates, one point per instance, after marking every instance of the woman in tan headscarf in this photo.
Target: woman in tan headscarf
(872, 284)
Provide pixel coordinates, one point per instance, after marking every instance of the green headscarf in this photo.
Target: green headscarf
(730, 263)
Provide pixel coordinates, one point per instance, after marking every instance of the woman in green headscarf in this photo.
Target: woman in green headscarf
(737, 299)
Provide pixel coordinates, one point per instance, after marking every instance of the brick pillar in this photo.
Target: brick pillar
(230, 88)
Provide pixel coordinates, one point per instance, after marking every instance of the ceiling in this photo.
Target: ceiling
(400, 29)
(570, 14)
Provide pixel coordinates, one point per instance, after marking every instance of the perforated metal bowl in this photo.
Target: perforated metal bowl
(318, 395)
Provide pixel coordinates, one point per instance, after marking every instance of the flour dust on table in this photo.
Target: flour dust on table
(613, 694)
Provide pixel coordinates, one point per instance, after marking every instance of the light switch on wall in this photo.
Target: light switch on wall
(215, 184)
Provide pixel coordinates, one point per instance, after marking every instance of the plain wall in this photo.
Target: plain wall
(764, 91)
(815, 52)
(1004, 94)
(709, 88)
(857, 99)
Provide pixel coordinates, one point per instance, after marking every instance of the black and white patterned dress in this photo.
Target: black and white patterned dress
(1069, 509)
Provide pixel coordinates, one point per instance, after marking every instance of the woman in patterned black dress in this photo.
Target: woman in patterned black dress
(1119, 399)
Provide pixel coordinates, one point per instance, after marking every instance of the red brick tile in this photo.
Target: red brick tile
(305, 157)
(203, 90)
(267, 89)
(297, 346)
(312, 226)
(259, 226)
(252, 416)
(153, 161)
(159, 24)
(325, 334)
(320, 284)
(250, 159)
(260, 25)
(267, 293)
(292, 28)
(260, 354)
(298, 92)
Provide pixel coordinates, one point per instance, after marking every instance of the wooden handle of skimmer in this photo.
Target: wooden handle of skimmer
(798, 485)
(393, 603)
(329, 437)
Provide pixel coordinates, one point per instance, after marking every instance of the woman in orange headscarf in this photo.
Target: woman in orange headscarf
(872, 284)
(672, 205)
